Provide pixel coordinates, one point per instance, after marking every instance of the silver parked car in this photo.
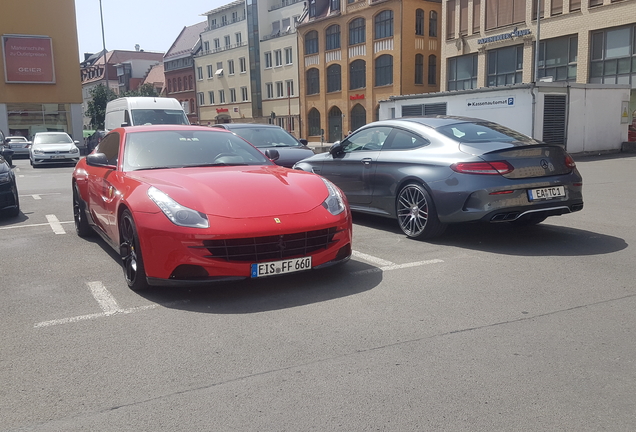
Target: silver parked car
(428, 172)
(19, 145)
(53, 147)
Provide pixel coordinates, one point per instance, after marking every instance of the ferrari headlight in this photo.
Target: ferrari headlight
(334, 202)
(178, 214)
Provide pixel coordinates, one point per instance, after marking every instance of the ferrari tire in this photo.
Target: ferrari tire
(82, 227)
(130, 252)
(416, 213)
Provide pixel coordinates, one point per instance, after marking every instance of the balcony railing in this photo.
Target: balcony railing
(284, 3)
(223, 24)
(223, 48)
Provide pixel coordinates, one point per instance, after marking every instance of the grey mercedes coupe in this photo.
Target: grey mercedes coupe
(428, 172)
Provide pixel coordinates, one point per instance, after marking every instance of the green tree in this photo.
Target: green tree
(143, 90)
(100, 96)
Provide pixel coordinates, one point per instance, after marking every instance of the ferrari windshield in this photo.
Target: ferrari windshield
(188, 148)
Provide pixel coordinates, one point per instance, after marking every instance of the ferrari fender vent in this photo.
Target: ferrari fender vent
(258, 249)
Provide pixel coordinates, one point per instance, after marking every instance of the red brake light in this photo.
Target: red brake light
(569, 162)
(489, 168)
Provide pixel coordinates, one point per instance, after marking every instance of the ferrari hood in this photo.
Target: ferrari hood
(239, 192)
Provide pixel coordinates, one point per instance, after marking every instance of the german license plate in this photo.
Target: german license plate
(58, 157)
(546, 193)
(281, 267)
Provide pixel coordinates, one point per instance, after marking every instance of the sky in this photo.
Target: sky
(152, 24)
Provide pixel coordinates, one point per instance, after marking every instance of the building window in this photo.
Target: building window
(332, 37)
(451, 13)
(313, 81)
(290, 87)
(232, 95)
(211, 94)
(419, 22)
(169, 87)
(419, 69)
(199, 75)
(357, 74)
(244, 94)
(357, 29)
(191, 84)
(278, 54)
(269, 88)
(217, 44)
(462, 72)
(432, 24)
(335, 5)
(230, 67)
(201, 97)
(288, 56)
(500, 13)
(505, 66)
(238, 39)
(313, 121)
(432, 70)
(384, 70)
(279, 89)
(228, 42)
(210, 71)
(334, 78)
(224, 20)
(383, 24)
(311, 43)
(222, 96)
(557, 58)
(242, 65)
(358, 117)
(206, 46)
(268, 59)
(613, 56)
(286, 24)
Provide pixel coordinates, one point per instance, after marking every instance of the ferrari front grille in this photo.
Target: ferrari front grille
(259, 249)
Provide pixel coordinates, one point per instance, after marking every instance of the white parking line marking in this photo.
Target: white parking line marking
(372, 259)
(39, 196)
(108, 304)
(56, 226)
(396, 267)
(105, 299)
(32, 225)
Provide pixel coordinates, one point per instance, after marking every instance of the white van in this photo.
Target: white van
(134, 111)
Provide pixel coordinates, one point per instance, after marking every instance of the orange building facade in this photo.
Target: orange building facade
(354, 54)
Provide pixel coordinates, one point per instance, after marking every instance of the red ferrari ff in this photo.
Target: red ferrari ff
(190, 205)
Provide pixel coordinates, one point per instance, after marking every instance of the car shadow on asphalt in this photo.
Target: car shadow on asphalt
(265, 294)
(545, 239)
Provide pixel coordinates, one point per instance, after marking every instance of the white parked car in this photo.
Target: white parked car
(53, 147)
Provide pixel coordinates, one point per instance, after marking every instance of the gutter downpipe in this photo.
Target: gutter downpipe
(536, 69)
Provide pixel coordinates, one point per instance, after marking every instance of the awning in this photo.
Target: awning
(219, 72)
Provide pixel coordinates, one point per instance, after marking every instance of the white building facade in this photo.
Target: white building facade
(250, 77)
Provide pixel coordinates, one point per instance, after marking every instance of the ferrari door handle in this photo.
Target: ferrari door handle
(366, 161)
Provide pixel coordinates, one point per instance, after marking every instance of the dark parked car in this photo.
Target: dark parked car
(9, 201)
(6, 152)
(264, 137)
(428, 172)
(94, 139)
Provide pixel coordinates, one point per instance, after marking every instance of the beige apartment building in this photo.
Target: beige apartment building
(355, 53)
(490, 43)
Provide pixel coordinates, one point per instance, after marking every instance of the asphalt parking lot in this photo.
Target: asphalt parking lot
(487, 328)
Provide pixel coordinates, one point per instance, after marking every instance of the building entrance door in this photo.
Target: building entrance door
(335, 125)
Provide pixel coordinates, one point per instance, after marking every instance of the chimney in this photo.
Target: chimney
(137, 47)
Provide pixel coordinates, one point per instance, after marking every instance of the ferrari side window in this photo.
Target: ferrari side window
(110, 147)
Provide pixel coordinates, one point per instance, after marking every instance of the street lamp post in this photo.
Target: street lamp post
(101, 15)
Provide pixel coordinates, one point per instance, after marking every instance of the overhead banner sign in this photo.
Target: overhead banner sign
(504, 36)
(28, 59)
(495, 102)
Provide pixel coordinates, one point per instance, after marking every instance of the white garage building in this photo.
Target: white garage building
(584, 118)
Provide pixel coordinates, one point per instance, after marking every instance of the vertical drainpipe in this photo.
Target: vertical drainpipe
(253, 40)
(536, 69)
